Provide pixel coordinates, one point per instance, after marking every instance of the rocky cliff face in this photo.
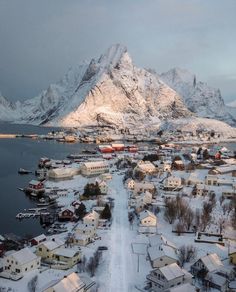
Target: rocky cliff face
(199, 98)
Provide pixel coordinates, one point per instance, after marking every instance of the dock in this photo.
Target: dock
(8, 136)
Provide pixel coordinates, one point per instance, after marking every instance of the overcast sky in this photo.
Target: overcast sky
(41, 39)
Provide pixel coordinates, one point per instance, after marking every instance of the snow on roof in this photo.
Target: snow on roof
(34, 182)
(70, 283)
(172, 271)
(183, 288)
(66, 252)
(145, 214)
(92, 215)
(24, 256)
(212, 262)
(52, 244)
(216, 279)
(95, 164)
(155, 240)
(40, 237)
(156, 252)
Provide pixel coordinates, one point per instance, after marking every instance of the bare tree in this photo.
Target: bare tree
(91, 268)
(33, 283)
(221, 224)
(206, 214)
(188, 217)
(222, 198)
(179, 227)
(186, 254)
(170, 210)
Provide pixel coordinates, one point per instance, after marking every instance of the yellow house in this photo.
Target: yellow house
(232, 258)
(67, 257)
(46, 249)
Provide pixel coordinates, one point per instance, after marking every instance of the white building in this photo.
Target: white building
(130, 183)
(162, 279)
(94, 168)
(162, 255)
(146, 167)
(140, 187)
(70, 283)
(17, 263)
(91, 219)
(62, 173)
(147, 222)
(172, 182)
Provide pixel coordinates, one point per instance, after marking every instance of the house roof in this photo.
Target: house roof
(66, 252)
(52, 244)
(40, 237)
(184, 288)
(34, 182)
(24, 256)
(172, 271)
(92, 215)
(212, 262)
(156, 252)
(95, 164)
(71, 283)
(145, 214)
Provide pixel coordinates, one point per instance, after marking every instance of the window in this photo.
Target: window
(25, 269)
(40, 248)
(17, 270)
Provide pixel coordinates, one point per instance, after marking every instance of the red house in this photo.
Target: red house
(66, 214)
(118, 147)
(36, 186)
(38, 239)
(105, 149)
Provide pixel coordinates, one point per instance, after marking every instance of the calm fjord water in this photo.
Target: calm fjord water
(25, 153)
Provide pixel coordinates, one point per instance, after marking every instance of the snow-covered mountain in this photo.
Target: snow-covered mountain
(7, 109)
(112, 91)
(200, 98)
(108, 91)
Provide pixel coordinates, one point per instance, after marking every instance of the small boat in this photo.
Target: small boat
(33, 195)
(24, 171)
(21, 189)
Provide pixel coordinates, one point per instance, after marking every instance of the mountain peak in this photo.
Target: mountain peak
(112, 56)
(176, 75)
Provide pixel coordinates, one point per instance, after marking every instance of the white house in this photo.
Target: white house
(183, 288)
(162, 255)
(209, 263)
(62, 173)
(172, 182)
(130, 183)
(17, 263)
(69, 283)
(146, 167)
(164, 278)
(91, 219)
(141, 187)
(94, 167)
(103, 187)
(147, 222)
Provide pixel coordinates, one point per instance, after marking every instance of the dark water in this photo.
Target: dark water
(25, 153)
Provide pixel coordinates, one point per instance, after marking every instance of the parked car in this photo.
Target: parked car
(102, 248)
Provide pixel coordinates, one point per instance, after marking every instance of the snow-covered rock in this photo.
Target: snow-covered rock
(200, 98)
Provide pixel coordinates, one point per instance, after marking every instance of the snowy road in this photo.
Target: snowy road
(121, 262)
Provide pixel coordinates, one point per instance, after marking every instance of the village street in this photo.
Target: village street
(122, 266)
